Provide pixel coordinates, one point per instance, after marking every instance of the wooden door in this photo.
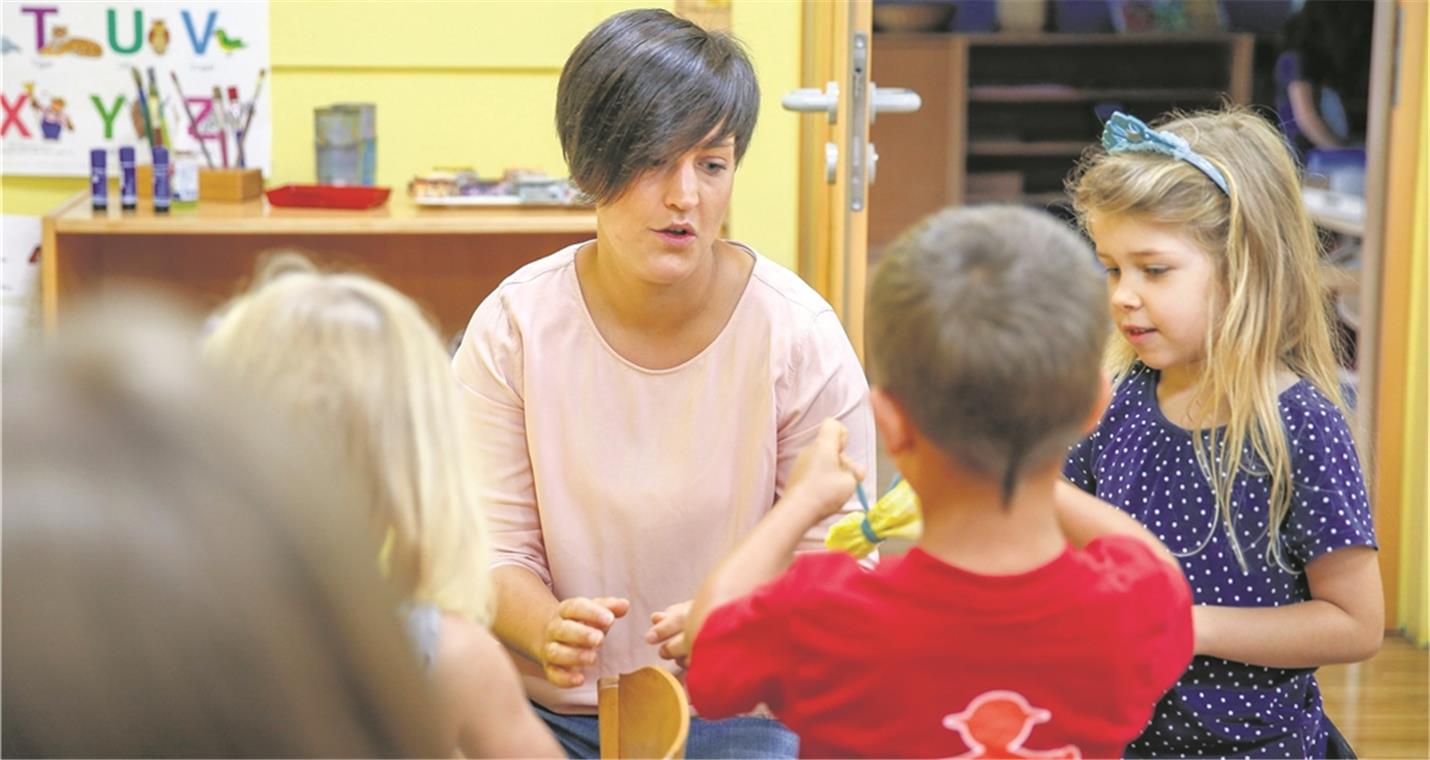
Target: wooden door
(834, 159)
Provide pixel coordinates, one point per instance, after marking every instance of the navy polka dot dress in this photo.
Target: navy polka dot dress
(1138, 460)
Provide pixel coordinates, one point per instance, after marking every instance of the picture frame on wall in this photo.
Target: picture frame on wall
(86, 76)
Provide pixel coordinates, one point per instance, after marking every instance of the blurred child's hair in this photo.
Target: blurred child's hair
(347, 353)
(277, 262)
(182, 577)
(988, 324)
(1269, 308)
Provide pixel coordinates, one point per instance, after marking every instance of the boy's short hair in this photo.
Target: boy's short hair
(646, 86)
(988, 325)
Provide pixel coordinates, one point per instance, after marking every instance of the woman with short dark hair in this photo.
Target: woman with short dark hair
(639, 399)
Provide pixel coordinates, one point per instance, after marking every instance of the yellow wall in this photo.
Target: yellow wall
(35, 196)
(474, 84)
(1414, 604)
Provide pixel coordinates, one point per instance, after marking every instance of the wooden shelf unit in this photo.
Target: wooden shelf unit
(1028, 148)
(1020, 108)
(448, 259)
(1018, 93)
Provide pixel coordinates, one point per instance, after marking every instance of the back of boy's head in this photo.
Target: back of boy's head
(987, 325)
(355, 358)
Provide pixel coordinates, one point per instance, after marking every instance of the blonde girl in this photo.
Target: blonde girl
(1226, 435)
(353, 358)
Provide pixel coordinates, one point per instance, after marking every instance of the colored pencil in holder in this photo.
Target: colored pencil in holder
(193, 124)
(222, 119)
(144, 108)
(235, 108)
(252, 106)
(166, 138)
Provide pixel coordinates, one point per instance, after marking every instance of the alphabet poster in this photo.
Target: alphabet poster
(70, 82)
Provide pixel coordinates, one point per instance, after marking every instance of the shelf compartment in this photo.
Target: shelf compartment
(1020, 148)
(1028, 104)
(1052, 93)
(1174, 65)
(1032, 199)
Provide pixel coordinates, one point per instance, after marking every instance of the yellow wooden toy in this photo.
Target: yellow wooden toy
(895, 515)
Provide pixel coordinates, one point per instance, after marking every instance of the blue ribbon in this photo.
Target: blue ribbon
(864, 524)
(1129, 134)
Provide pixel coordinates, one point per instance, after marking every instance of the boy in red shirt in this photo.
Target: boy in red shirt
(1032, 620)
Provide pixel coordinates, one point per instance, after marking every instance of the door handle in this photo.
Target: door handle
(810, 100)
(892, 100)
(869, 100)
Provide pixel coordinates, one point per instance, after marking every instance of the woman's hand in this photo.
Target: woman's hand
(668, 630)
(572, 638)
(823, 478)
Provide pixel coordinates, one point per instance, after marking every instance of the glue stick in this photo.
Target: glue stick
(161, 180)
(128, 183)
(98, 179)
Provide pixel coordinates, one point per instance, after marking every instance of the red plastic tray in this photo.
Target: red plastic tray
(328, 196)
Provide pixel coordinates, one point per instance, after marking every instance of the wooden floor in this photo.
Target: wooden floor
(1381, 705)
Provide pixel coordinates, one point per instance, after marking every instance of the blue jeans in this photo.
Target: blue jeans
(732, 737)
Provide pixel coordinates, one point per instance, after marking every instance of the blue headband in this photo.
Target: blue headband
(1128, 134)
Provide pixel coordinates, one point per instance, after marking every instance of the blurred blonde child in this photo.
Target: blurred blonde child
(183, 575)
(1227, 436)
(357, 360)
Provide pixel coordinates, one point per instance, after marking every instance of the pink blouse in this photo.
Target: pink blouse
(608, 479)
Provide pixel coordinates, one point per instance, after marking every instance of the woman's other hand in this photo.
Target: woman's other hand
(668, 631)
(572, 638)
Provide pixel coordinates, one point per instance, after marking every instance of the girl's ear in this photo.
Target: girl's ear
(1104, 397)
(892, 421)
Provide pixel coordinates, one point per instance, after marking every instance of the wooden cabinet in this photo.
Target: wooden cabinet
(1005, 116)
(447, 259)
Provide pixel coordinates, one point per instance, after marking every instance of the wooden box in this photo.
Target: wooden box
(230, 185)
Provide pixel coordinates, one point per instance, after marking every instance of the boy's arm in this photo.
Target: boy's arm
(1084, 517)
(820, 483)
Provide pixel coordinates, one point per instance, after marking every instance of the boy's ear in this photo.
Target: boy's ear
(1104, 397)
(892, 421)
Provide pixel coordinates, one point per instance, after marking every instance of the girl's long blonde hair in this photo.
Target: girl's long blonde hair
(1270, 308)
(354, 357)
